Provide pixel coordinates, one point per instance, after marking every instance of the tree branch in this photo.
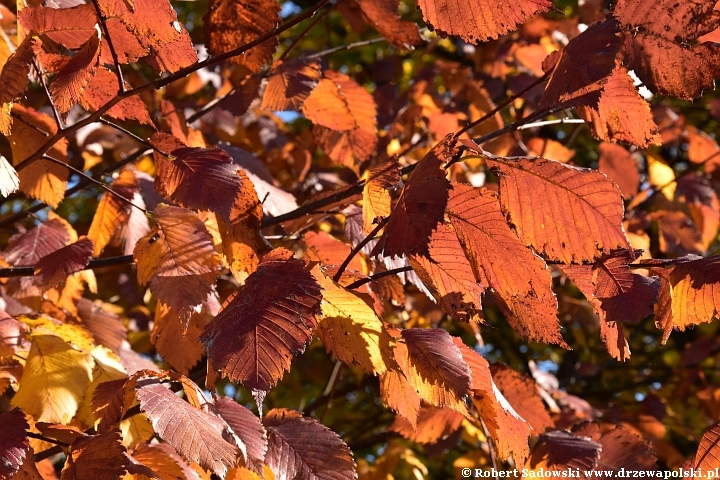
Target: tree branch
(29, 270)
(377, 276)
(359, 247)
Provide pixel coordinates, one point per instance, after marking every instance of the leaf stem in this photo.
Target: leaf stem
(359, 247)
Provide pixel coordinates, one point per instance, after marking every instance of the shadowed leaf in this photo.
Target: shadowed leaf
(54, 268)
(14, 79)
(14, 445)
(248, 427)
(70, 82)
(522, 393)
(708, 456)
(381, 179)
(266, 323)
(102, 88)
(617, 163)
(301, 448)
(383, 16)
(621, 448)
(112, 211)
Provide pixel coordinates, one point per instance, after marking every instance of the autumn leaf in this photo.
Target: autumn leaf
(481, 22)
(420, 207)
(14, 445)
(154, 458)
(102, 88)
(301, 447)
(95, 456)
(248, 428)
(177, 259)
(54, 381)
(54, 268)
(522, 393)
(433, 425)
(621, 448)
(202, 437)
(229, 25)
(500, 260)
(43, 179)
(14, 80)
(617, 163)
(350, 330)
(397, 393)
(383, 16)
(70, 27)
(29, 247)
(580, 217)
(266, 323)
(69, 83)
(706, 457)
(289, 84)
(559, 450)
(112, 211)
(377, 203)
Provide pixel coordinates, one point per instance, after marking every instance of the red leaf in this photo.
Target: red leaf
(433, 425)
(482, 21)
(70, 27)
(266, 323)
(70, 82)
(14, 77)
(29, 247)
(289, 84)
(97, 456)
(14, 445)
(248, 427)
(301, 448)
(383, 16)
(420, 207)
(522, 393)
(196, 435)
(54, 268)
(102, 88)
(621, 448)
(566, 213)
(519, 279)
(198, 178)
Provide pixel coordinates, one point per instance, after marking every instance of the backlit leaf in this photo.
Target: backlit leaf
(69, 83)
(54, 268)
(433, 424)
(519, 279)
(55, 379)
(397, 393)
(566, 213)
(176, 340)
(230, 24)
(70, 27)
(198, 178)
(383, 16)
(102, 88)
(350, 330)
(482, 21)
(177, 258)
(420, 207)
(9, 181)
(621, 448)
(377, 203)
(301, 448)
(522, 393)
(112, 211)
(617, 163)
(266, 323)
(14, 79)
(196, 435)
(97, 456)
(562, 451)
(289, 84)
(160, 463)
(29, 247)
(707, 457)
(14, 445)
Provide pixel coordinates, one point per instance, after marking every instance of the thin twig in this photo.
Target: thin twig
(96, 182)
(162, 82)
(56, 114)
(377, 276)
(130, 134)
(300, 36)
(29, 270)
(113, 53)
(47, 439)
(491, 448)
(349, 46)
(359, 247)
(551, 122)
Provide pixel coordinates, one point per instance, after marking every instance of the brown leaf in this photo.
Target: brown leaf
(289, 84)
(29, 247)
(248, 427)
(111, 400)
(617, 163)
(161, 465)
(70, 82)
(177, 340)
(106, 328)
(383, 16)
(420, 207)
(14, 445)
(102, 88)
(198, 178)
(678, 234)
(14, 78)
(611, 333)
(112, 211)
(566, 213)
(304, 449)
(662, 53)
(196, 435)
(433, 425)
(70, 27)
(621, 448)
(522, 393)
(43, 180)
(54, 268)
(230, 24)
(583, 65)
(562, 451)
(479, 22)
(434, 366)
(519, 279)
(381, 179)
(622, 114)
(266, 323)
(449, 275)
(97, 456)
(504, 424)
(707, 457)
(178, 259)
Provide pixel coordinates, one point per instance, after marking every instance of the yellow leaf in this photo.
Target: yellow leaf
(107, 367)
(351, 331)
(136, 430)
(55, 379)
(75, 335)
(661, 176)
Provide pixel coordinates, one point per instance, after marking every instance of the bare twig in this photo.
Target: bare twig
(377, 276)
(359, 247)
(349, 46)
(56, 114)
(551, 122)
(305, 31)
(29, 270)
(130, 134)
(47, 439)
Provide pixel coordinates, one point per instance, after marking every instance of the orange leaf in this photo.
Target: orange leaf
(177, 340)
(566, 213)
(479, 22)
(97, 456)
(289, 84)
(433, 424)
(111, 211)
(420, 207)
(14, 79)
(230, 24)
(266, 323)
(381, 179)
(178, 259)
(70, 27)
(617, 163)
(70, 82)
(383, 16)
(519, 279)
(156, 459)
(102, 88)
(522, 393)
(397, 393)
(54, 268)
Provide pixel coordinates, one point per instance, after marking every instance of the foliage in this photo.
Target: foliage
(271, 239)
